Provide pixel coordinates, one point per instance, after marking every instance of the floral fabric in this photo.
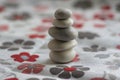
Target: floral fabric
(24, 54)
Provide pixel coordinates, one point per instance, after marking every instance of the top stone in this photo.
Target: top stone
(63, 14)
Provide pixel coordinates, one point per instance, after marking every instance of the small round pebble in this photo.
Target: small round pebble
(62, 56)
(63, 23)
(63, 14)
(63, 34)
(56, 45)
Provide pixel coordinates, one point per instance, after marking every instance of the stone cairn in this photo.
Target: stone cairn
(62, 46)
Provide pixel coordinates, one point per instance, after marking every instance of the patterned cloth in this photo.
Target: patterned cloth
(24, 54)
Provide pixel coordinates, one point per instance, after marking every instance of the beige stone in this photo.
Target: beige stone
(63, 23)
(56, 45)
(64, 34)
(63, 56)
(63, 13)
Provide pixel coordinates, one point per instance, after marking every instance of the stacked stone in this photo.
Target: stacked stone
(62, 46)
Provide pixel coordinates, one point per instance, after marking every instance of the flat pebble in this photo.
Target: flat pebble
(63, 23)
(63, 14)
(56, 45)
(64, 34)
(62, 56)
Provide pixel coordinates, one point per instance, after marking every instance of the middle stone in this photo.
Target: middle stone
(63, 34)
(56, 45)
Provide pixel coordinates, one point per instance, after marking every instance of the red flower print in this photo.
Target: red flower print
(79, 25)
(110, 16)
(47, 20)
(100, 16)
(66, 72)
(76, 58)
(3, 27)
(41, 28)
(41, 8)
(12, 79)
(98, 25)
(100, 78)
(32, 36)
(30, 68)
(69, 69)
(104, 16)
(118, 47)
(2, 8)
(78, 16)
(24, 56)
(106, 7)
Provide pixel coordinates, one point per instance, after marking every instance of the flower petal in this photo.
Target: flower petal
(76, 58)
(13, 48)
(81, 35)
(22, 66)
(48, 79)
(19, 59)
(65, 75)
(102, 56)
(86, 49)
(102, 49)
(19, 41)
(27, 71)
(4, 47)
(15, 56)
(11, 79)
(8, 44)
(37, 70)
(24, 54)
(77, 66)
(77, 74)
(33, 58)
(55, 70)
(27, 47)
(38, 65)
(29, 43)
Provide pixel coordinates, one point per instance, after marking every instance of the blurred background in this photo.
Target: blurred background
(38, 13)
(33, 18)
(24, 27)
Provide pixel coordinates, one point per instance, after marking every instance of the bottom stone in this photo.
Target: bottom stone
(62, 56)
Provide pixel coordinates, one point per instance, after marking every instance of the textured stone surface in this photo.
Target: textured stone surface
(62, 56)
(56, 45)
(64, 37)
(65, 34)
(63, 23)
(63, 14)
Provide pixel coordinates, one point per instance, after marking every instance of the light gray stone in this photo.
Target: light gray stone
(63, 13)
(63, 23)
(64, 34)
(63, 56)
(56, 45)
